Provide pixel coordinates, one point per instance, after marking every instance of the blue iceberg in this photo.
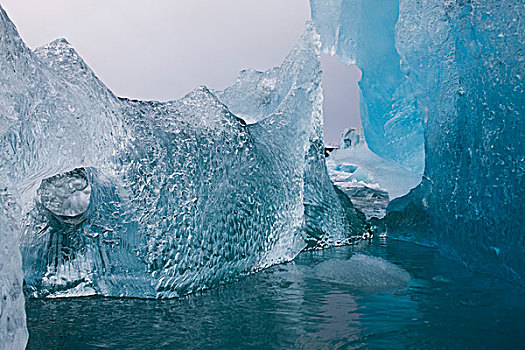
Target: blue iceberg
(453, 72)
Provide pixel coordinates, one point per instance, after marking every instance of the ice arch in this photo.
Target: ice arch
(363, 33)
(453, 72)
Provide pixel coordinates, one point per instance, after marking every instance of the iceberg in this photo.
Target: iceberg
(456, 68)
(152, 199)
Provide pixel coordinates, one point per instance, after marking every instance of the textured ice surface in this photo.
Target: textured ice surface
(362, 32)
(263, 100)
(474, 68)
(354, 164)
(463, 63)
(13, 333)
(159, 199)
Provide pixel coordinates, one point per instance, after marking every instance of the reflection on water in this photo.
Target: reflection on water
(315, 302)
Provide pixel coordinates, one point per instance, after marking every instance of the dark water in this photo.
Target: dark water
(315, 302)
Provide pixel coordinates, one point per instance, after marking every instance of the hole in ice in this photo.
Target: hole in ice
(66, 195)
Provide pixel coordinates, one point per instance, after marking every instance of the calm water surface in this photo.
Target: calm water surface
(319, 301)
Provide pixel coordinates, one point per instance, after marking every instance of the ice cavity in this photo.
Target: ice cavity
(67, 194)
(363, 272)
(353, 164)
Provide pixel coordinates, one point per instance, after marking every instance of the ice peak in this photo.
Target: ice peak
(60, 42)
(60, 48)
(61, 57)
(4, 18)
(10, 41)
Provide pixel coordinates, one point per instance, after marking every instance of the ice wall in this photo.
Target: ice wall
(158, 199)
(463, 62)
(13, 332)
(362, 32)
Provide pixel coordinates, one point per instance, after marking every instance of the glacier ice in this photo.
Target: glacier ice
(255, 96)
(154, 199)
(459, 67)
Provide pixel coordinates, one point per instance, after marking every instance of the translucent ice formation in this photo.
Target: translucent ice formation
(362, 32)
(262, 99)
(462, 68)
(149, 199)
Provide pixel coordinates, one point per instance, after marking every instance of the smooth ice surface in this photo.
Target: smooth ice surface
(363, 272)
(148, 199)
(354, 164)
(462, 66)
(362, 32)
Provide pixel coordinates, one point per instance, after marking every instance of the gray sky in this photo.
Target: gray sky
(163, 49)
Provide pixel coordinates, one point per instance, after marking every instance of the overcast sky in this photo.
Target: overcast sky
(163, 49)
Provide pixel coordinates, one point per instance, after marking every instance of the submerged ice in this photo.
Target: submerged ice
(363, 272)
